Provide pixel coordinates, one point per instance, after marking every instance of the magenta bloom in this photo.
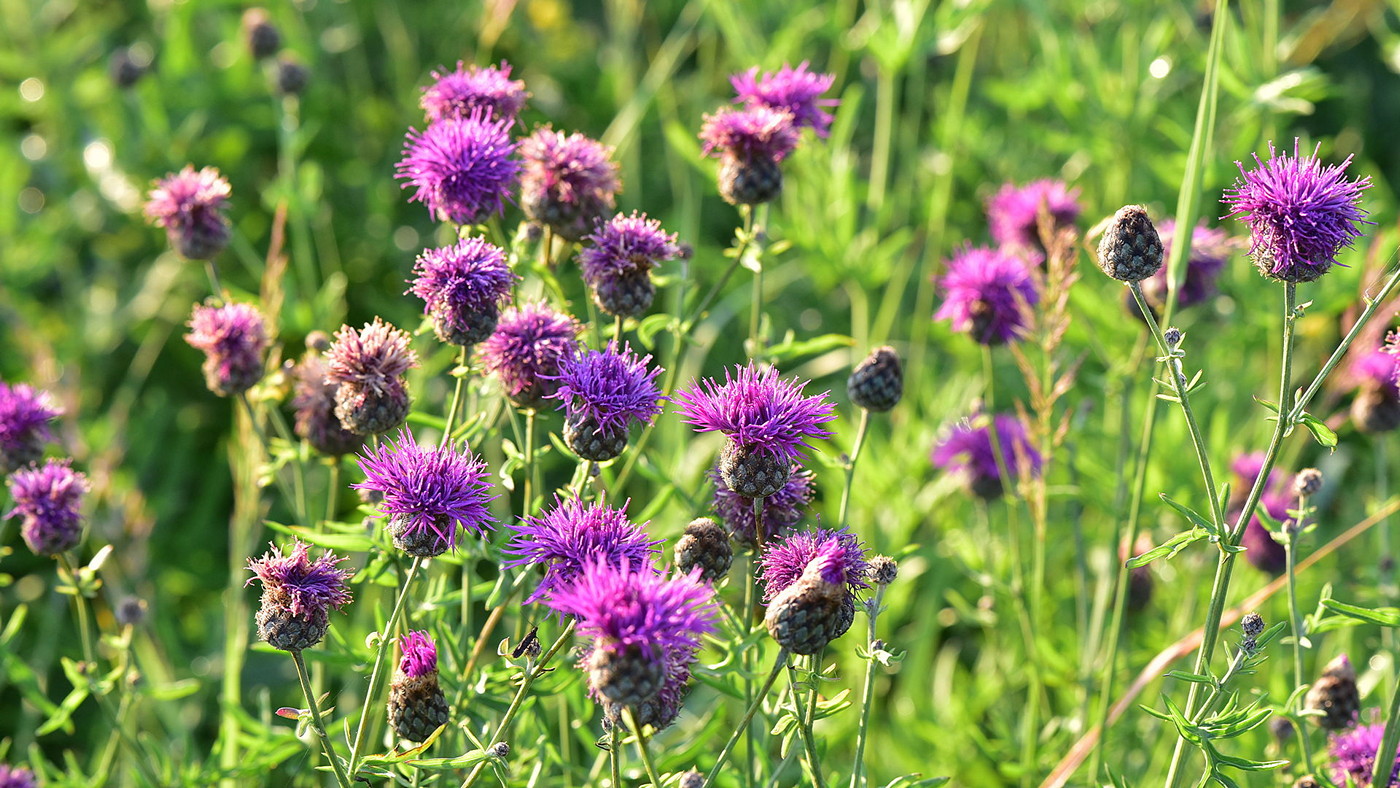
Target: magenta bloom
(1300, 213)
(988, 294)
(564, 539)
(419, 654)
(298, 595)
(233, 338)
(369, 365)
(1354, 755)
(1377, 369)
(840, 554)
(758, 411)
(1013, 213)
(16, 777)
(1261, 549)
(458, 94)
(967, 450)
(525, 352)
(782, 510)
(190, 206)
(755, 133)
(796, 90)
(461, 169)
(49, 498)
(1210, 250)
(25, 413)
(617, 260)
(569, 182)
(462, 287)
(602, 392)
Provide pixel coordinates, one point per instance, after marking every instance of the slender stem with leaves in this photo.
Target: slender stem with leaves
(314, 706)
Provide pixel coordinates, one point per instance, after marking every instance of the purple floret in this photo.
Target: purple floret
(16, 777)
(305, 588)
(457, 94)
(233, 337)
(623, 245)
(25, 414)
(419, 654)
(968, 450)
(372, 356)
(987, 295)
(564, 539)
(758, 410)
(781, 511)
(621, 606)
(1354, 755)
(753, 133)
(612, 388)
(190, 206)
(429, 491)
(1013, 214)
(838, 555)
(48, 498)
(462, 287)
(796, 90)
(461, 169)
(526, 349)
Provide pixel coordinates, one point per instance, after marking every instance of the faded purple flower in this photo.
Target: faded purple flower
(190, 206)
(461, 169)
(462, 287)
(457, 94)
(16, 777)
(564, 539)
(48, 498)
(758, 411)
(781, 511)
(314, 403)
(569, 181)
(1210, 250)
(429, 492)
(369, 365)
(233, 338)
(298, 595)
(25, 413)
(419, 654)
(988, 294)
(1013, 213)
(602, 392)
(796, 90)
(1300, 213)
(968, 451)
(750, 144)
(841, 557)
(1354, 755)
(526, 350)
(617, 259)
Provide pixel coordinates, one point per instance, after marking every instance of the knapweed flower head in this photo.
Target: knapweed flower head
(417, 706)
(968, 450)
(48, 498)
(988, 294)
(796, 90)
(190, 206)
(1300, 214)
(419, 654)
(314, 404)
(369, 364)
(1261, 549)
(298, 595)
(462, 169)
(617, 259)
(758, 410)
(16, 777)
(566, 538)
(602, 392)
(750, 144)
(1354, 755)
(569, 182)
(233, 337)
(782, 510)
(457, 94)
(1376, 375)
(526, 349)
(1013, 213)
(1210, 250)
(25, 416)
(810, 581)
(838, 554)
(462, 287)
(429, 492)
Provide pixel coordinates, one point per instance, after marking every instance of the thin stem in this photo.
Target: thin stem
(868, 693)
(614, 760)
(81, 609)
(642, 750)
(1372, 307)
(214, 284)
(851, 465)
(332, 488)
(461, 374)
(1385, 566)
(316, 723)
(748, 717)
(386, 640)
(296, 497)
(1291, 552)
(617, 329)
(1390, 739)
(809, 745)
(531, 482)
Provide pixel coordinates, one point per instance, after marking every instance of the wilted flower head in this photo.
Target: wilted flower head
(565, 538)
(781, 511)
(16, 777)
(569, 182)
(462, 287)
(25, 413)
(759, 411)
(298, 594)
(1210, 250)
(988, 294)
(48, 498)
(796, 90)
(1013, 213)
(839, 556)
(459, 93)
(369, 365)
(461, 168)
(1300, 213)
(429, 491)
(617, 259)
(608, 389)
(1354, 755)
(314, 403)
(526, 350)
(233, 338)
(190, 206)
(968, 450)
(419, 654)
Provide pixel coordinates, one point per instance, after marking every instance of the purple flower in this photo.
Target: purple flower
(462, 287)
(462, 169)
(796, 90)
(458, 94)
(1354, 755)
(569, 182)
(25, 413)
(839, 557)
(190, 206)
(1377, 369)
(1300, 214)
(1013, 213)
(617, 262)
(1261, 549)
(16, 777)
(428, 493)
(968, 450)
(419, 654)
(759, 411)
(781, 511)
(298, 595)
(757, 133)
(609, 388)
(564, 539)
(526, 350)
(1210, 250)
(369, 365)
(314, 403)
(233, 338)
(48, 497)
(988, 295)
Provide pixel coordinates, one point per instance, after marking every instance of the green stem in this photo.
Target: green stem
(614, 760)
(1291, 552)
(316, 723)
(809, 745)
(461, 374)
(214, 284)
(386, 644)
(1390, 739)
(1385, 569)
(81, 608)
(642, 750)
(332, 488)
(884, 132)
(531, 482)
(297, 496)
(748, 717)
(851, 466)
(868, 693)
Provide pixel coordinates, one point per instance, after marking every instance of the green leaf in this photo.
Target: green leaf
(1383, 616)
(1320, 431)
(1194, 678)
(794, 348)
(917, 781)
(351, 543)
(1168, 548)
(1196, 518)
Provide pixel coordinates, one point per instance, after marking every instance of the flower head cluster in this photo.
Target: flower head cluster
(314, 403)
(1013, 213)
(462, 287)
(988, 294)
(457, 94)
(781, 511)
(754, 134)
(1210, 250)
(624, 245)
(525, 351)
(461, 168)
(569, 181)
(419, 654)
(190, 206)
(796, 90)
(233, 337)
(1354, 756)
(429, 492)
(25, 413)
(968, 450)
(759, 411)
(838, 554)
(48, 498)
(610, 388)
(564, 539)
(1300, 213)
(16, 777)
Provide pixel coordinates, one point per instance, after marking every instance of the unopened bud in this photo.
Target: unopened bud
(1307, 482)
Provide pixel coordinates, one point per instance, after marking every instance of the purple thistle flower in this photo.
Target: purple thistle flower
(1210, 250)
(419, 654)
(988, 295)
(1013, 213)
(298, 595)
(48, 498)
(190, 206)
(369, 365)
(564, 539)
(781, 511)
(1376, 369)
(462, 169)
(758, 411)
(233, 338)
(314, 403)
(458, 94)
(968, 450)
(616, 262)
(25, 413)
(751, 134)
(796, 90)
(428, 493)
(602, 392)
(16, 777)
(1354, 755)
(526, 350)
(838, 554)
(1300, 213)
(569, 182)
(462, 287)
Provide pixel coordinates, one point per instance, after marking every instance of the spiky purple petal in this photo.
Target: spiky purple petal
(758, 410)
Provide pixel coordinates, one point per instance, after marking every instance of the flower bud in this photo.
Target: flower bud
(1130, 249)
